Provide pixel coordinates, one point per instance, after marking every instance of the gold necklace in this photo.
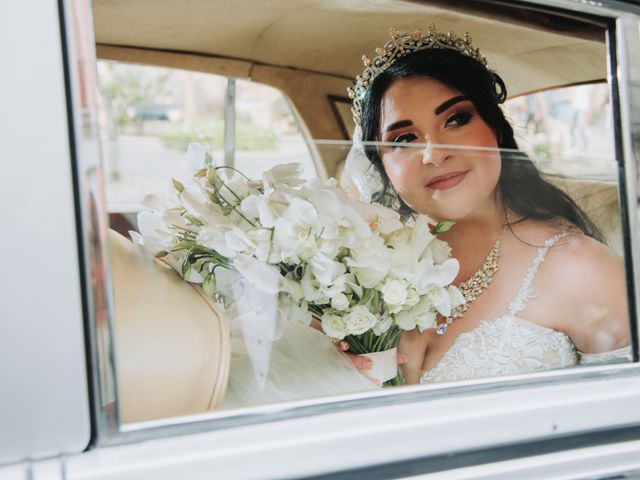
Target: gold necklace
(475, 284)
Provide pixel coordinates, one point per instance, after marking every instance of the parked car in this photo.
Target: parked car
(91, 390)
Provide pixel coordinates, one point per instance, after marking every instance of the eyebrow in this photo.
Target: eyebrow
(450, 103)
(438, 110)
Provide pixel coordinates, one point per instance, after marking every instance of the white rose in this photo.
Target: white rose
(359, 320)
(334, 326)
(412, 297)
(340, 302)
(394, 292)
(383, 325)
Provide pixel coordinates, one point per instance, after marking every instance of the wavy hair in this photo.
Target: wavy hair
(521, 186)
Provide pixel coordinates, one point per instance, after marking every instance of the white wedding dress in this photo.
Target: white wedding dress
(304, 364)
(510, 345)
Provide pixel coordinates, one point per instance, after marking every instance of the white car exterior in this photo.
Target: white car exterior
(58, 415)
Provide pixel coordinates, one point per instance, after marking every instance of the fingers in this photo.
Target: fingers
(401, 359)
(373, 380)
(361, 363)
(343, 346)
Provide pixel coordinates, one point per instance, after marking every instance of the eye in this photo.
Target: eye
(458, 119)
(404, 138)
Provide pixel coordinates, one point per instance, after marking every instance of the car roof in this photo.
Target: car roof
(530, 49)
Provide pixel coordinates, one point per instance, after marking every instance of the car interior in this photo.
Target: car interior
(172, 341)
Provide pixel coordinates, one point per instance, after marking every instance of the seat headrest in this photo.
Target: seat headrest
(172, 342)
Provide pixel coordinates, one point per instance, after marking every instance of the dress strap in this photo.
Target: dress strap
(520, 301)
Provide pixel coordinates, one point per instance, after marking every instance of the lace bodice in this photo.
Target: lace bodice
(511, 345)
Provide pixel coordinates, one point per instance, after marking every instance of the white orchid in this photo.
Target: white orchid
(320, 252)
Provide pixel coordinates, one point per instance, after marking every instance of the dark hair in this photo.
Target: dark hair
(521, 185)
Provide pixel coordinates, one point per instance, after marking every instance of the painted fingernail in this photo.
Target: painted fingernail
(343, 345)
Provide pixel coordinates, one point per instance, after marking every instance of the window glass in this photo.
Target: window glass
(449, 247)
(150, 115)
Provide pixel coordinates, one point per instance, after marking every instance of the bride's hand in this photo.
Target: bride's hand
(365, 363)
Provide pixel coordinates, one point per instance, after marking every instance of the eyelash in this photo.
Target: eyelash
(463, 117)
(460, 119)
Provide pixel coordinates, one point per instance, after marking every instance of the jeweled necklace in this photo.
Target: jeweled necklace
(476, 284)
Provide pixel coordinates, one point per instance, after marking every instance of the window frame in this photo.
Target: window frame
(624, 70)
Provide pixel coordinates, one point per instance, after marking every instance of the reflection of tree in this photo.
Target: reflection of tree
(123, 88)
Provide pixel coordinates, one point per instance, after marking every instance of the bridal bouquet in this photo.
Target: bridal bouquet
(353, 265)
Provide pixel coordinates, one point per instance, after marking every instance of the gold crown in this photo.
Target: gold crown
(398, 46)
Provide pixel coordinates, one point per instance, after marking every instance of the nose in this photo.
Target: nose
(432, 155)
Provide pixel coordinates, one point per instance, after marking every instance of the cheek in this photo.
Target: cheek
(488, 174)
(401, 172)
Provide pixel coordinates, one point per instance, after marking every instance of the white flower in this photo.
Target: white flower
(237, 240)
(406, 320)
(265, 249)
(440, 299)
(370, 261)
(412, 297)
(421, 316)
(394, 292)
(440, 250)
(264, 208)
(455, 296)
(214, 238)
(283, 174)
(383, 325)
(359, 320)
(334, 326)
(340, 302)
(237, 189)
(291, 310)
(295, 226)
(326, 269)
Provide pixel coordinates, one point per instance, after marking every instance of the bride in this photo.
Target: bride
(542, 290)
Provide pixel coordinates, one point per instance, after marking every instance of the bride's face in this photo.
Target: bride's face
(444, 183)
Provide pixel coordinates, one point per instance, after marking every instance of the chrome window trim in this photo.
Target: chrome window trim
(109, 430)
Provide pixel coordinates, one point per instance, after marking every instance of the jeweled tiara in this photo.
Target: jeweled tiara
(398, 46)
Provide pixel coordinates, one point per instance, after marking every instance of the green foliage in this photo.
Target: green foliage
(125, 86)
(211, 133)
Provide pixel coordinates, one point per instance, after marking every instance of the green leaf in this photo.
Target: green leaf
(209, 284)
(194, 220)
(177, 185)
(186, 269)
(201, 173)
(443, 226)
(161, 253)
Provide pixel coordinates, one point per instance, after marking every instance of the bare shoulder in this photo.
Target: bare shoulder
(585, 259)
(585, 283)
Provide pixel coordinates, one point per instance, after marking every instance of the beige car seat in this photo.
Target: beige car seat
(599, 200)
(172, 342)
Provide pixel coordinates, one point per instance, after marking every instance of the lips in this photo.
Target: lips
(448, 180)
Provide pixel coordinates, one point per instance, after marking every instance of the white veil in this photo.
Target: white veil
(359, 175)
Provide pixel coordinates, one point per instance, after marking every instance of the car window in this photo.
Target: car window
(150, 115)
(241, 283)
